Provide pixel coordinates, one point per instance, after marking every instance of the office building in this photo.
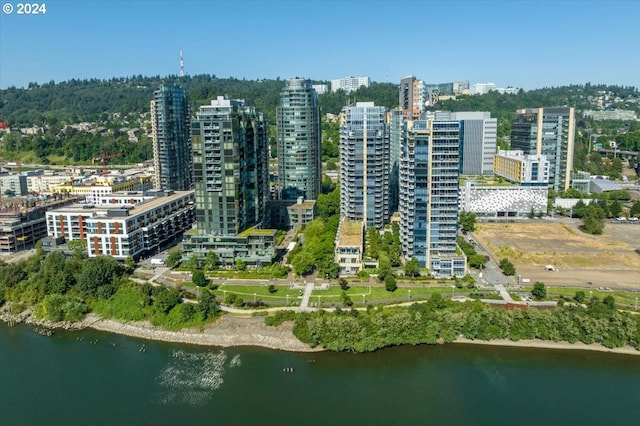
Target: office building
(549, 132)
(172, 154)
(429, 173)
(478, 134)
(299, 141)
(506, 201)
(410, 100)
(364, 164)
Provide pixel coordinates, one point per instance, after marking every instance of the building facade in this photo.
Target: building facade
(549, 132)
(521, 169)
(230, 156)
(231, 169)
(172, 154)
(503, 202)
(429, 173)
(349, 247)
(125, 230)
(478, 134)
(299, 141)
(365, 164)
(349, 84)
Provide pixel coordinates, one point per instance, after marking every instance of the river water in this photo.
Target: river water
(90, 377)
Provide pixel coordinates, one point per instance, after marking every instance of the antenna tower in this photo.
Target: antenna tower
(181, 65)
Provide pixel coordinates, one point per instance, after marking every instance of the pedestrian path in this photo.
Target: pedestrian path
(308, 289)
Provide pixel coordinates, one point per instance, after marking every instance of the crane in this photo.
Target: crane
(103, 159)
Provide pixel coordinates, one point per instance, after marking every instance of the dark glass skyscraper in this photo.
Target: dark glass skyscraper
(299, 139)
(231, 167)
(170, 123)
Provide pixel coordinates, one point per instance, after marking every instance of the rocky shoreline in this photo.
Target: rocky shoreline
(230, 331)
(225, 332)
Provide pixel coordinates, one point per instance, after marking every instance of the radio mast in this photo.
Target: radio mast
(181, 65)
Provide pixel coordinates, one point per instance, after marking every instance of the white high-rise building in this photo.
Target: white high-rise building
(349, 84)
(364, 164)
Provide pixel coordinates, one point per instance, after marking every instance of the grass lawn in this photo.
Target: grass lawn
(622, 297)
(374, 293)
(261, 291)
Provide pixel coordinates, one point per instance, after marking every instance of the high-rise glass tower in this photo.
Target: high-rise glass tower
(299, 141)
(549, 132)
(231, 166)
(429, 173)
(172, 155)
(365, 164)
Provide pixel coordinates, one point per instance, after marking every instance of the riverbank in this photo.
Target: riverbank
(549, 344)
(230, 331)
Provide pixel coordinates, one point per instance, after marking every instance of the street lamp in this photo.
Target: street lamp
(453, 290)
(254, 297)
(590, 294)
(409, 295)
(636, 303)
(287, 300)
(364, 302)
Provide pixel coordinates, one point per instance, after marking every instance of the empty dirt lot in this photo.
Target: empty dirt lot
(607, 260)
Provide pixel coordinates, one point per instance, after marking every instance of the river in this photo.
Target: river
(95, 378)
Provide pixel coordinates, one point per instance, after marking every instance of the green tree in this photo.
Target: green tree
(302, 263)
(207, 304)
(198, 278)
(477, 261)
(635, 209)
(241, 265)
(173, 259)
(609, 302)
(412, 268)
(507, 267)
(346, 300)
(539, 291)
(580, 296)
(98, 277)
(468, 221)
(129, 264)
(166, 299)
(211, 260)
(593, 220)
(193, 263)
(390, 283)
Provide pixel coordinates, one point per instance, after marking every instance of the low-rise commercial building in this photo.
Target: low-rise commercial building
(502, 201)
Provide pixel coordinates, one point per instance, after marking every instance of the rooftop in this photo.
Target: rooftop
(351, 233)
(256, 231)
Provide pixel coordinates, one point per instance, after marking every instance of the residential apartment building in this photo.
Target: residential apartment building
(396, 131)
(411, 98)
(429, 173)
(549, 132)
(521, 169)
(172, 153)
(230, 156)
(364, 164)
(349, 84)
(125, 230)
(299, 141)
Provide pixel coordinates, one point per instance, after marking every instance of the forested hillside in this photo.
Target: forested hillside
(124, 103)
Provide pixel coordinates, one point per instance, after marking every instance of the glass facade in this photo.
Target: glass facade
(299, 141)
(429, 174)
(365, 164)
(170, 124)
(231, 167)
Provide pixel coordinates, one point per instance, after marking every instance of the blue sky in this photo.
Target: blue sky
(510, 43)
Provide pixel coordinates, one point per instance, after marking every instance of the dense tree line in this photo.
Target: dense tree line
(440, 321)
(61, 289)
